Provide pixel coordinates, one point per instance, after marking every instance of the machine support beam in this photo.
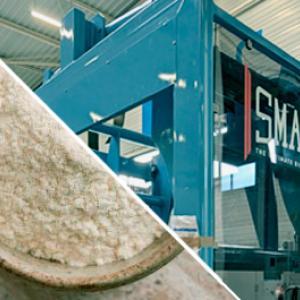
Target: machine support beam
(206, 93)
(29, 32)
(84, 71)
(259, 42)
(193, 101)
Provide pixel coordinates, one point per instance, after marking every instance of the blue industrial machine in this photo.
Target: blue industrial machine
(215, 96)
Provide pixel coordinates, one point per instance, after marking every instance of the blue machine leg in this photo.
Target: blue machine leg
(193, 121)
(113, 157)
(147, 118)
(207, 222)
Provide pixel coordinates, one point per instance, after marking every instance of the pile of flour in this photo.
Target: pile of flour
(57, 200)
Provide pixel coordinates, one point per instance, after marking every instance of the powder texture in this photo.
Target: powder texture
(181, 279)
(57, 200)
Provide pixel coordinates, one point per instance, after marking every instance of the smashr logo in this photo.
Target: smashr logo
(276, 124)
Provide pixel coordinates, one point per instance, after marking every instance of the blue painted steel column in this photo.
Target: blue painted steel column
(47, 75)
(113, 156)
(193, 119)
(73, 38)
(207, 227)
(147, 118)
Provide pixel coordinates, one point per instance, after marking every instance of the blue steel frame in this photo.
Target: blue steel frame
(162, 55)
(161, 199)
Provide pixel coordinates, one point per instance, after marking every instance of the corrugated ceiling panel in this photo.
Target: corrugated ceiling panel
(230, 5)
(20, 12)
(116, 7)
(31, 77)
(15, 45)
(20, 46)
(279, 20)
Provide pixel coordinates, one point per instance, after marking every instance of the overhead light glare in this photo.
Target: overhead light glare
(147, 157)
(224, 169)
(272, 151)
(135, 182)
(45, 19)
(222, 130)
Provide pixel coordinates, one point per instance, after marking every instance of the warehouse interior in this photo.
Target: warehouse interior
(253, 197)
(30, 45)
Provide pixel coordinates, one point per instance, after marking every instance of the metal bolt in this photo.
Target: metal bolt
(249, 44)
(154, 170)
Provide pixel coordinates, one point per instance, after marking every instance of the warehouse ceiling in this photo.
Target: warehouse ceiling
(279, 20)
(29, 45)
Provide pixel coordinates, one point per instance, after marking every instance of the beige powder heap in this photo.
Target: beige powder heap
(57, 200)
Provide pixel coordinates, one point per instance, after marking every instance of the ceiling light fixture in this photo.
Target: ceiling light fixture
(45, 19)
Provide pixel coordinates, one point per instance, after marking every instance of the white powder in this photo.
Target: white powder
(181, 279)
(57, 202)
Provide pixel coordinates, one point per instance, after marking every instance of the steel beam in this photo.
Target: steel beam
(238, 11)
(30, 62)
(259, 42)
(110, 58)
(29, 32)
(193, 189)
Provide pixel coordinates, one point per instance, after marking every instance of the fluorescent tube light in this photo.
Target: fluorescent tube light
(45, 19)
